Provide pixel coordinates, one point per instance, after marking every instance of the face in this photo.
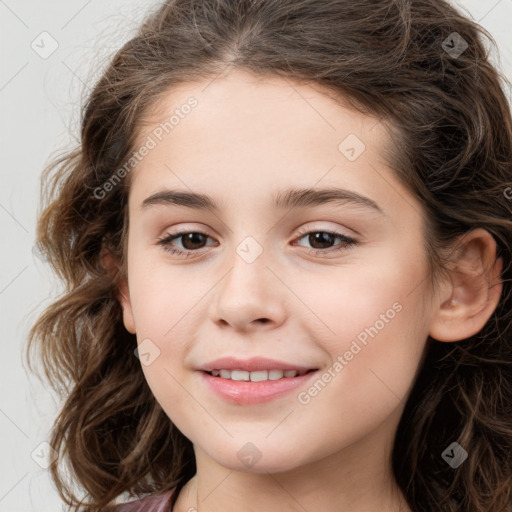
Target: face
(337, 286)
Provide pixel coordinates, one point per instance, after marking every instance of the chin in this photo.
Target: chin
(253, 457)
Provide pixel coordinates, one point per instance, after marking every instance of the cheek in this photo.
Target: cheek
(160, 294)
(345, 300)
(374, 318)
(374, 362)
(161, 312)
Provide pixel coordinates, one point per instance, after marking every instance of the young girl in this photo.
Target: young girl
(286, 239)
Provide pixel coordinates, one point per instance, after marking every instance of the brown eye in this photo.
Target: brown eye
(191, 241)
(322, 241)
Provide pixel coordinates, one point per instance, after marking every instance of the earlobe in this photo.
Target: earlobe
(109, 261)
(474, 292)
(124, 300)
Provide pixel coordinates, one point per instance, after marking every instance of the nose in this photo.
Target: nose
(249, 295)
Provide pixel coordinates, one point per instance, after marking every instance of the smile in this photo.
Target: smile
(250, 388)
(257, 376)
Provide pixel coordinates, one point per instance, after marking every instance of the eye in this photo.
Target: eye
(322, 238)
(192, 239)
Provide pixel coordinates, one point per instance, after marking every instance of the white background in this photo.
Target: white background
(40, 102)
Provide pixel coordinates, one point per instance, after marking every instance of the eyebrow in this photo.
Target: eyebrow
(287, 199)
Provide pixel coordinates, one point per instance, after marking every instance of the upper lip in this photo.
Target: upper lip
(251, 365)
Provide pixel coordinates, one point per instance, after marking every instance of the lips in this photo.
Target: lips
(252, 365)
(239, 392)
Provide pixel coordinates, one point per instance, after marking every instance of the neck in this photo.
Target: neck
(357, 478)
(270, 493)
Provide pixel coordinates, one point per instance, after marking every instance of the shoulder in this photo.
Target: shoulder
(153, 503)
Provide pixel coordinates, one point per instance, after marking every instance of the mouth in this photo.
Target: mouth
(258, 376)
(244, 388)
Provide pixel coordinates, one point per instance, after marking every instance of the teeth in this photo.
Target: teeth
(257, 376)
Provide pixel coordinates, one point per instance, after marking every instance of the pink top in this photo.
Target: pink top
(154, 503)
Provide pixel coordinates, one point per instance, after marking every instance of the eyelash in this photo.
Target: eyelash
(347, 242)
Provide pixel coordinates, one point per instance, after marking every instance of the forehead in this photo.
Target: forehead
(257, 135)
(257, 105)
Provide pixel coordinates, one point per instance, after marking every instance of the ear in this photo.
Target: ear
(468, 301)
(111, 263)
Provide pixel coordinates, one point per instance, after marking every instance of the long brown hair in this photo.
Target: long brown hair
(420, 66)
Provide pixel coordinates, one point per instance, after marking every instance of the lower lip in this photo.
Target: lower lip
(248, 393)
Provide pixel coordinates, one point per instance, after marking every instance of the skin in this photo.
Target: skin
(245, 140)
